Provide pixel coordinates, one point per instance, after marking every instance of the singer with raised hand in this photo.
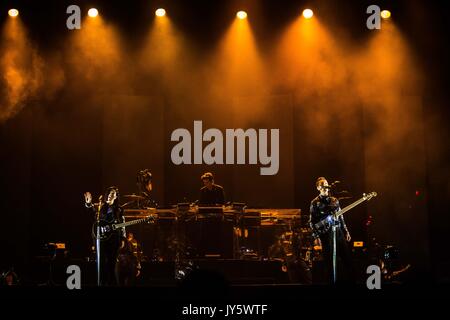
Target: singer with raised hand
(108, 211)
(323, 207)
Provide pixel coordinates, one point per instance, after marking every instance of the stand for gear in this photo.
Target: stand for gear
(96, 236)
(50, 260)
(333, 232)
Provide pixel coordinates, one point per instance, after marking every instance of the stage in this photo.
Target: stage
(255, 149)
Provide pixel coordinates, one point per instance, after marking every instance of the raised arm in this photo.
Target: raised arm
(88, 200)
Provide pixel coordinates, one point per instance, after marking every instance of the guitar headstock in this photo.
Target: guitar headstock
(368, 196)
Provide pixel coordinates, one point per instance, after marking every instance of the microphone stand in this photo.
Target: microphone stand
(334, 227)
(333, 231)
(334, 221)
(97, 243)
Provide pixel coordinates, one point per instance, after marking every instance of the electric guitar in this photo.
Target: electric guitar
(106, 229)
(325, 224)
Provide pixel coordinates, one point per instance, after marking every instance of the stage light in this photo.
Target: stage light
(93, 12)
(241, 15)
(160, 12)
(385, 14)
(308, 13)
(13, 12)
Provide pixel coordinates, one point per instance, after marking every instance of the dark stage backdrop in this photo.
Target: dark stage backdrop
(52, 153)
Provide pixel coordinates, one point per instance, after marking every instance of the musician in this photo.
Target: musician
(322, 207)
(145, 186)
(128, 265)
(278, 251)
(109, 211)
(137, 251)
(211, 194)
(9, 278)
(296, 268)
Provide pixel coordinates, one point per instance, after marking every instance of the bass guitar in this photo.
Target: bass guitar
(324, 225)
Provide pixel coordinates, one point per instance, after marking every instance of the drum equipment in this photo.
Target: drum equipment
(222, 232)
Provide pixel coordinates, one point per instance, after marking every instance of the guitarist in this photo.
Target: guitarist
(111, 212)
(321, 207)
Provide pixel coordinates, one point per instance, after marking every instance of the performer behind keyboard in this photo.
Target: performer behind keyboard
(211, 194)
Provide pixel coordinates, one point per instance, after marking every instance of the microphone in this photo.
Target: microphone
(331, 185)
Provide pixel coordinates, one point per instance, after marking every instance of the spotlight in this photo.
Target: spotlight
(241, 15)
(308, 13)
(13, 12)
(93, 12)
(385, 14)
(160, 12)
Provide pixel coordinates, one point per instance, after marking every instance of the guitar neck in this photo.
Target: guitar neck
(129, 223)
(325, 222)
(349, 207)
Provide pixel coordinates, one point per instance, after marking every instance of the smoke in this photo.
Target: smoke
(21, 67)
(164, 53)
(388, 84)
(95, 61)
(324, 71)
(26, 73)
(237, 76)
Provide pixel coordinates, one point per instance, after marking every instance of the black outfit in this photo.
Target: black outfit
(212, 197)
(109, 247)
(127, 264)
(161, 232)
(148, 202)
(209, 237)
(321, 207)
(297, 269)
